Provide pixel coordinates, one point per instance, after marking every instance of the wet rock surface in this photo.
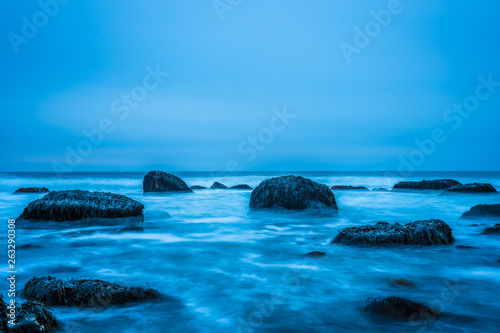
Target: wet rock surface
(483, 211)
(242, 187)
(30, 317)
(428, 232)
(293, 193)
(349, 187)
(88, 292)
(217, 185)
(32, 190)
(399, 308)
(160, 181)
(315, 254)
(198, 187)
(436, 184)
(74, 205)
(473, 188)
(492, 230)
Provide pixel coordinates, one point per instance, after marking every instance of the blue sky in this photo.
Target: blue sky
(227, 80)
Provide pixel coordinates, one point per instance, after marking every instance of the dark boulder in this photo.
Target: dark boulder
(29, 317)
(428, 232)
(436, 184)
(315, 254)
(217, 185)
(241, 187)
(348, 187)
(32, 190)
(473, 188)
(160, 181)
(466, 247)
(291, 192)
(399, 308)
(198, 187)
(76, 204)
(479, 211)
(52, 291)
(492, 230)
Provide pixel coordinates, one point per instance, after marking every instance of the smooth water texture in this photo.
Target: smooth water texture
(223, 268)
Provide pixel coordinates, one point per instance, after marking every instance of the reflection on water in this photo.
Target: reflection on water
(222, 268)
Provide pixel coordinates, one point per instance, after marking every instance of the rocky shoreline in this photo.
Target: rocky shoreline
(285, 193)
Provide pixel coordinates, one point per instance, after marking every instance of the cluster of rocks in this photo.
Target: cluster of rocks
(33, 315)
(285, 192)
(219, 186)
(447, 185)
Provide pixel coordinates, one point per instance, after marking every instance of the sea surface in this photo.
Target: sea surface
(223, 268)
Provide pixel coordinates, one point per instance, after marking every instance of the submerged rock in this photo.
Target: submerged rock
(242, 187)
(32, 190)
(88, 292)
(436, 184)
(399, 308)
(473, 188)
(30, 317)
(160, 181)
(76, 204)
(198, 187)
(315, 254)
(465, 247)
(428, 232)
(402, 282)
(479, 211)
(349, 187)
(291, 192)
(492, 230)
(217, 185)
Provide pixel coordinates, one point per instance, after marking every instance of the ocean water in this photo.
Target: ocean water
(223, 268)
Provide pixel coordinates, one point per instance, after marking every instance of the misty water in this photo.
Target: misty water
(223, 268)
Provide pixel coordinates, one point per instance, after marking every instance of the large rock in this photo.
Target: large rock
(399, 308)
(349, 187)
(480, 211)
(473, 188)
(29, 317)
(32, 190)
(160, 181)
(51, 291)
(198, 187)
(291, 192)
(76, 204)
(217, 186)
(492, 230)
(428, 232)
(436, 184)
